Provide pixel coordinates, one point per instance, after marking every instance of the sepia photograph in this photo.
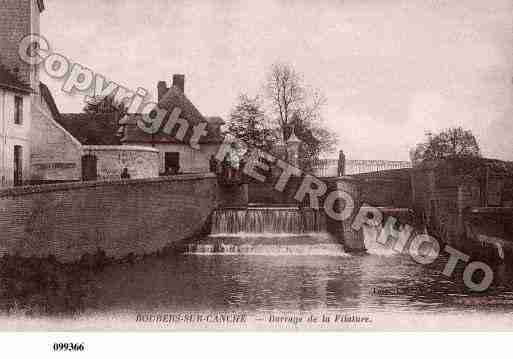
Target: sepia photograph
(274, 165)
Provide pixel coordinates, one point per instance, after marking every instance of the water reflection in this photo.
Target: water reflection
(377, 283)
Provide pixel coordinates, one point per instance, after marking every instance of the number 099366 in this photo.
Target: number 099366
(68, 347)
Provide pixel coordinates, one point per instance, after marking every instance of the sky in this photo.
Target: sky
(390, 69)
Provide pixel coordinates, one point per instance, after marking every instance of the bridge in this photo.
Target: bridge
(330, 167)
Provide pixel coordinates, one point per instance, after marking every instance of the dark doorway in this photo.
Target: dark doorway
(89, 168)
(18, 165)
(172, 162)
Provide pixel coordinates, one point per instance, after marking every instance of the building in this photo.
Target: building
(18, 90)
(38, 143)
(15, 125)
(74, 147)
(446, 192)
(177, 155)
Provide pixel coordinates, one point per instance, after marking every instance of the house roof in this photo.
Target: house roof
(10, 82)
(87, 128)
(92, 129)
(47, 96)
(172, 99)
(133, 134)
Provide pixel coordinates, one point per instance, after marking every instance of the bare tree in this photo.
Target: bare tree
(286, 94)
(294, 104)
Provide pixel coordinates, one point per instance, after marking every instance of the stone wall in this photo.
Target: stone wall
(386, 193)
(120, 217)
(352, 240)
(191, 160)
(141, 162)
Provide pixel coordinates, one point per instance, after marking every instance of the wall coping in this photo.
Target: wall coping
(119, 148)
(46, 188)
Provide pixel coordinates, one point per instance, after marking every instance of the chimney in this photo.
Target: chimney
(161, 90)
(179, 81)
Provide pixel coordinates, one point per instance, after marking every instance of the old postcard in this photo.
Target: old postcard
(341, 165)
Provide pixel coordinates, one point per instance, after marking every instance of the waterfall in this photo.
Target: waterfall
(270, 231)
(268, 221)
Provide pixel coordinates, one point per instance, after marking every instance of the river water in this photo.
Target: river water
(292, 282)
(294, 273)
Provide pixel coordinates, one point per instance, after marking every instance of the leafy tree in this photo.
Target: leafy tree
(452, 142)
(247, 123)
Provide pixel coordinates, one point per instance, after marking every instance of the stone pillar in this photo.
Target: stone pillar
(293, 144)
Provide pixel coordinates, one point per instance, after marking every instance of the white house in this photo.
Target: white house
(15, 125)
(18, 89)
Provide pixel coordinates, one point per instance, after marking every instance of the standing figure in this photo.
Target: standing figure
(125, 174)
(213, 164)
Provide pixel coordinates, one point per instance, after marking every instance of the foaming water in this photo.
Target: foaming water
(370, 239)
(271, 245)
(269, 220)
(324, 235)
(321, 249)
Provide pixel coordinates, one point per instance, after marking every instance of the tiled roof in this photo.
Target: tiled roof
(173, 98)
(10, 82)
(133, 134)
(46, 94)
(92, 129)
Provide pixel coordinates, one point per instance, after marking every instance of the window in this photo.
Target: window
(18, 110)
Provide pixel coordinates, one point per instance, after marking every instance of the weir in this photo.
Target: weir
(268, 220)
(268, 230)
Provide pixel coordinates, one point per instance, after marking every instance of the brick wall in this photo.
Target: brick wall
(120, 217)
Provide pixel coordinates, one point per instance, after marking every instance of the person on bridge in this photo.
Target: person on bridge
(125, 174)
